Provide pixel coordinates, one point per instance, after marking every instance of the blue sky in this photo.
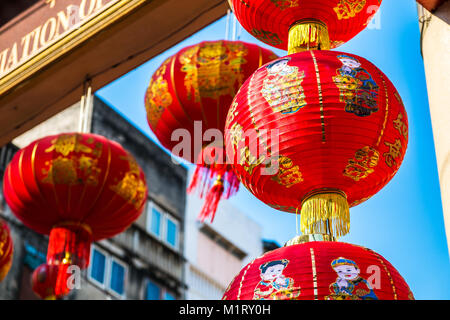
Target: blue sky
(404, 221)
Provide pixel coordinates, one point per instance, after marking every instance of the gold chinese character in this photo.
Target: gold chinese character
(349, 8)
(249, 161)
(362, 164)
(288, 174)
(394, 152)
(401, 126)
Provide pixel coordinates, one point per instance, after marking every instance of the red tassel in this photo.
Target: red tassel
(69, 243)
(213, 179)
(212, 201)
(195, 179)
(232, 184)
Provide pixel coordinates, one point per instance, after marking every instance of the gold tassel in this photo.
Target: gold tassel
(325, 213)
(308, 35)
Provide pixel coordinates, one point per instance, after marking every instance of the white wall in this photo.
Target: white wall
(203, 280)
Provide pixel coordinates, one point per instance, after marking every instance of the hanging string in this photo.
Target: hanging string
(227, 26)
(239, 31)
(85, 107)
(234, 27)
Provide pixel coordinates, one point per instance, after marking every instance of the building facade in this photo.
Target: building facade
(145, 261)
(435, 44)
(216, 252)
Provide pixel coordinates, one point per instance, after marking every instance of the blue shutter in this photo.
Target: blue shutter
(98, 265)
(171, 234)
(153, 292)
(117, 278)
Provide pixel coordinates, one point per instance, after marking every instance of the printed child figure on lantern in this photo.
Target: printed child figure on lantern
(358, 90)
(282, 87)
(274, 285)
(349, 285)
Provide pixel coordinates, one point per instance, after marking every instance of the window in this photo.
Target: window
(155, 221)
(98, 266)
(168, 296)
(107, 272)
(153, 292)
(171, 232)
(162, 225)
(117, 280)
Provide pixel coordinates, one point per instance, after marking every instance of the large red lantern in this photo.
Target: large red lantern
(297, 25)
(341, 135)
(319, 270)
(188, 98)
(6, 250)
(50, 282)
(77, 188)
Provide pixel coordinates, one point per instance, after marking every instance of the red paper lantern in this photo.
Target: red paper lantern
(192, 90)
(319, 270)
(77, 188)
(50, 282)
(6, 250)
(298, 25)
(341, 135)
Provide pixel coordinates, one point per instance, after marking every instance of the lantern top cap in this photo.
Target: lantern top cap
(305, 238)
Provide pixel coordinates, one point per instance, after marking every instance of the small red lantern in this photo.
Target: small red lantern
(6, 250)
(319, 270)
(77, 188)
(341, 135)
(298, 25)
(192, 92)
(50, 282)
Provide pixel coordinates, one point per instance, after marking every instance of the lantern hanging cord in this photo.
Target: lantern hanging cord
(86, 106)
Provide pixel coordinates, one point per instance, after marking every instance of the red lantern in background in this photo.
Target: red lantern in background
(342, 133)
(193, 90)
(6, 250)
(77, 188)
(297, 25)
(319, 270)
(50, 282)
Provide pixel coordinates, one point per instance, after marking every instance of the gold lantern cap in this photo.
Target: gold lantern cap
(304, 238)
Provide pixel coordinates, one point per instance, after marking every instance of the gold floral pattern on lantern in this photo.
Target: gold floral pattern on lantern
(66, 144)
(347, 9)
(4, 235)
(362, 164)
(288, 174)
(236, 135)
(70, 169)
(213, 69)
(284, 4)
(249, 161)
(158, 97)
(131, 188)
(267, 37)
